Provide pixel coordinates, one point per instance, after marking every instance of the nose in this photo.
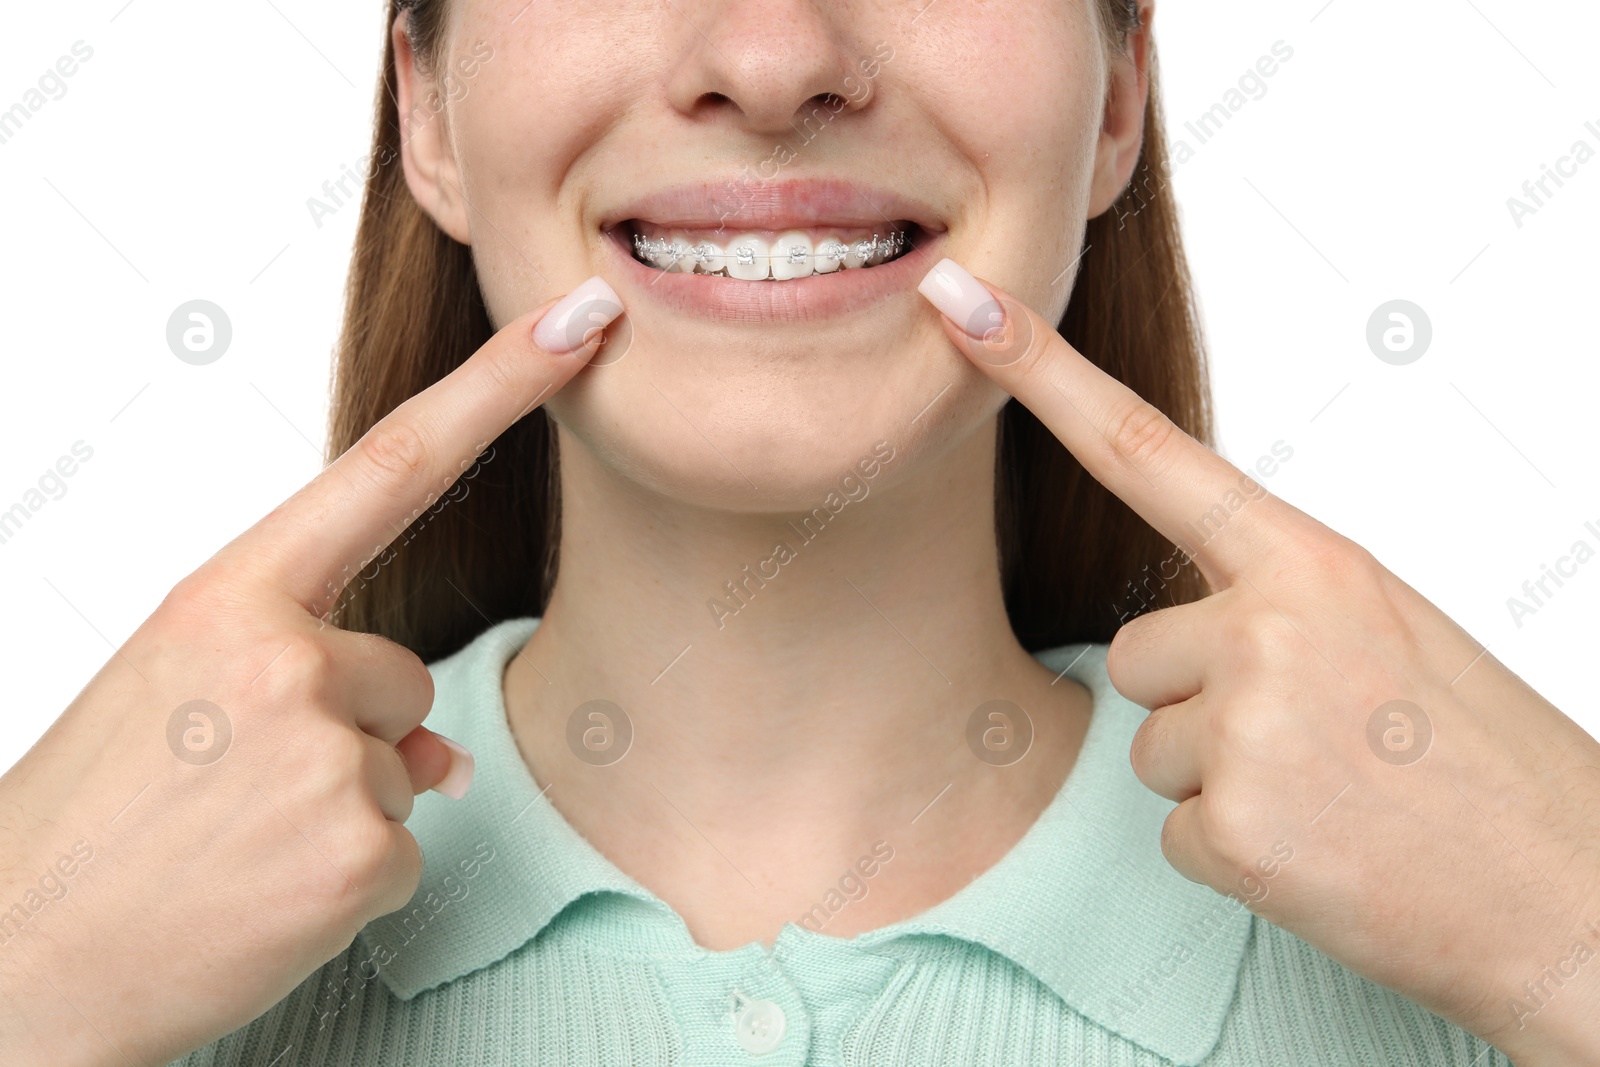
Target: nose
(761, 63)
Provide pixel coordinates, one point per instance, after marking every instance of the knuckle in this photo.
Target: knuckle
(392, 766)
(423, 686)
(396, 448)
(1247, 734)
(395, 661)
(1170, 842)
(1350, 559)
(1124, 643)
(406, 799)
(1228, 829)
(1141, 433)
(402, 873)
(347, 759)
(506, 368)
(302, 670)
(1265, 642)
(331, 767)
(1325, 558)
(407, 664)
(368, 848)
(1115, 651)
(1035, 360)
(1146, 743)
(192, 599)
(1135, 638)
(1323, 561)
(1243, 881)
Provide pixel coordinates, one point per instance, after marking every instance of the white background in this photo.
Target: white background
(1376, 166)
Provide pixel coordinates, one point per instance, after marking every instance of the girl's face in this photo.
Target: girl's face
(998, 128)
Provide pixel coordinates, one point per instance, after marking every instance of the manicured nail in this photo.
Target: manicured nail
(566, 326)
(454, 784)
(962, 299)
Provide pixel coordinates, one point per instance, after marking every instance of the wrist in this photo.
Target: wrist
(39, 1027)
(46, 996)
(1568, 1038)
(1552, 1019)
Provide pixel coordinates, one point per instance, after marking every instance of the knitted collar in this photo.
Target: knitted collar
(1085, 901)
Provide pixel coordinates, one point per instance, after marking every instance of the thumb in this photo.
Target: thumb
(436, 762)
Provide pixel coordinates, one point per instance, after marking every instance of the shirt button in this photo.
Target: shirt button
(759, 1027)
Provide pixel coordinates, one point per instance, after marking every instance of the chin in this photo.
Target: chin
(776, 431)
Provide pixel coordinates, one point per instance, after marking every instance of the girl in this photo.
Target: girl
(852, 661)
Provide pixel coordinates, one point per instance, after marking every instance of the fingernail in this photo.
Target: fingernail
(454, 784)
(566, 325)
(962, 299)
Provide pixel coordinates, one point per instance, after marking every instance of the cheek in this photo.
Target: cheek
(532, 116)
(558, 81)
(1020, 100)
(1019, 88)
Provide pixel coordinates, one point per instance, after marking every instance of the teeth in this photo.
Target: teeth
(660, 254)
(860, 254)
(678, 250)
(791, 256)
(709, 257)
(830, 255)
(750, 257)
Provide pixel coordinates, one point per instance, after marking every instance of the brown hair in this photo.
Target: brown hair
(1071, 553)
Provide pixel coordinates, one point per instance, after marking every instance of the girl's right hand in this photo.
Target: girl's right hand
(220, 810)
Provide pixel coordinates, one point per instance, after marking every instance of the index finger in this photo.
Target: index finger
(315, 542)
(1191, 495)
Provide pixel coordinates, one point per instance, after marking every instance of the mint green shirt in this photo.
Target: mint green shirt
(525, 946)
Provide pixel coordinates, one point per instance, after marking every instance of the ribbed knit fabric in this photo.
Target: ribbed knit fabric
(525, 946)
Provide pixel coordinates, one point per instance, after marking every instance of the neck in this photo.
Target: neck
(788, 677)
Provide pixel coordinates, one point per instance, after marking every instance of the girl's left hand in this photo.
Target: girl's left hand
(1444, 819)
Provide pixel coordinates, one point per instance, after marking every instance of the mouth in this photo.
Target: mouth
(768, 255)
(798, 250)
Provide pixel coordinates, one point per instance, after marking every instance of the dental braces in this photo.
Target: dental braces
(884, 245)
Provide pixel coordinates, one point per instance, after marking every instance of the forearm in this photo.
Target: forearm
(40, 1023)
(59, 1001)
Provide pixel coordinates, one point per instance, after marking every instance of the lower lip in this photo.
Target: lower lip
(808, 299)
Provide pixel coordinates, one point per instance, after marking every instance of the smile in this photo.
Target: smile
(800, 251)
(767, 256)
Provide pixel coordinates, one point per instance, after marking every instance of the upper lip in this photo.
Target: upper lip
(742, 204)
